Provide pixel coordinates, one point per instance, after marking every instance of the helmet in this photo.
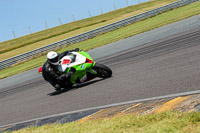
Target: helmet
(53, 58)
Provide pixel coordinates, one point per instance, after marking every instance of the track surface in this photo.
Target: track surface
(115, 47)
(167, 66)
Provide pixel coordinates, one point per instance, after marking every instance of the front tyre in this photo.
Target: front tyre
(102, 71)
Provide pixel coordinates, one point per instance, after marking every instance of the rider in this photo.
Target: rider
(50, 70)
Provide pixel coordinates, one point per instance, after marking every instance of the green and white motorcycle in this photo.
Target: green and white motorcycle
(85, 67)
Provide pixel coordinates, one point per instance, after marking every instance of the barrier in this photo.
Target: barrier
(92, 33)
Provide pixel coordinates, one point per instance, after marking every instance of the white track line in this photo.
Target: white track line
(106, 106)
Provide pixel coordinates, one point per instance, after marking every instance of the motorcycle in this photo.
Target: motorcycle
(84, 67)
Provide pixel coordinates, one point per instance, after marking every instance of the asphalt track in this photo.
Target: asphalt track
(163, 67)
(115, 47)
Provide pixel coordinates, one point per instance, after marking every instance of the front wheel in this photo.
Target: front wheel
(102, 71)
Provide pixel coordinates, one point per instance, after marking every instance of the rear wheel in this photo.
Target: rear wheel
(102, 71)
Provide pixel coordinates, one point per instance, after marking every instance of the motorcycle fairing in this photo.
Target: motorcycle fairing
(80, 59)
(82, 63)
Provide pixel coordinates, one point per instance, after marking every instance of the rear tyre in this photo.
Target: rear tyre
(102, 70)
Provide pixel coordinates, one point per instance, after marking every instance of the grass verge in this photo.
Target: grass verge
(36, 40)
(163, 122)
(133, 29)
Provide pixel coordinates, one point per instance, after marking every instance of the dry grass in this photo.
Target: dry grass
(27, 43)
(133, 29)
(172, 122)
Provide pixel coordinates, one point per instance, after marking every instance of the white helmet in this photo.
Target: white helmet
(53, 58)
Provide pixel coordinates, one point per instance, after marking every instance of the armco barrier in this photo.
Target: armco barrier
(93, 33)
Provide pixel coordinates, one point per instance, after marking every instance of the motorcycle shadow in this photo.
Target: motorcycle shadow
(77, 86)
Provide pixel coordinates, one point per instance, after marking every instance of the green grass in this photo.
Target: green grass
(171, 122)
(133, 29)
(36, 40)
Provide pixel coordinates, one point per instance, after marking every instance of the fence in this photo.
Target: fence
(92, 33)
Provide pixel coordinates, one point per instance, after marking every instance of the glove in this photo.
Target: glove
(72, 70)
(62, 77)
(75, 50)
